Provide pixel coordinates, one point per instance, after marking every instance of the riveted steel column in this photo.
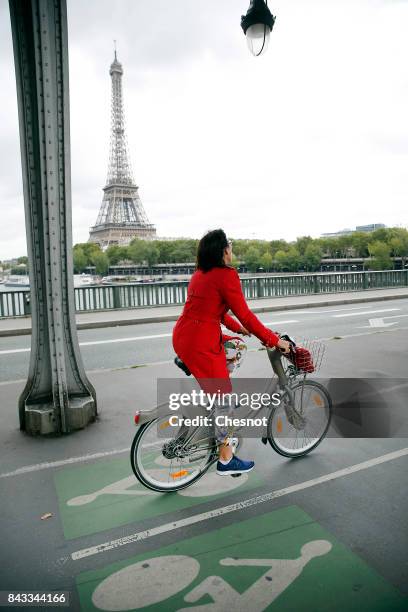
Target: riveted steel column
(58, 397)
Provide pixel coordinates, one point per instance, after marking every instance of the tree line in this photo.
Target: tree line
(303, 254)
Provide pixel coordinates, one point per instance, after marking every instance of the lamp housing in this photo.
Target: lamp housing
(257, 25)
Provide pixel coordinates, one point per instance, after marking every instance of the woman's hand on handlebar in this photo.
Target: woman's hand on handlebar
(284, 346)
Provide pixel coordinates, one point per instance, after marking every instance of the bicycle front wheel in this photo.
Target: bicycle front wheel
(165, 460)
(297, 426)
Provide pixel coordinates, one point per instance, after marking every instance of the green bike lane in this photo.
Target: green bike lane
(313, 549)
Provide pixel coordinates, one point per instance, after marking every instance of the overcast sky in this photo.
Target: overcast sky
(310, 138)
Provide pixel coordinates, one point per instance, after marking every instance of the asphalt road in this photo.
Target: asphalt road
(129, 346)
(325, 533)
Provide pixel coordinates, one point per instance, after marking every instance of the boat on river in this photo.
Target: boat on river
(84, 280)
(15, 280)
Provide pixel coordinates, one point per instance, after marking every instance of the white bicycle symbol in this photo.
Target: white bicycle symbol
(154, 580)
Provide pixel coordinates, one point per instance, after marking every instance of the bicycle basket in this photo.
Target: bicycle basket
(307, 356)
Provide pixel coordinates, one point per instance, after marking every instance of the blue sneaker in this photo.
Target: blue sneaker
(234, 466)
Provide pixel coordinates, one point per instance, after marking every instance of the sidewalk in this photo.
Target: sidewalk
(159, 314)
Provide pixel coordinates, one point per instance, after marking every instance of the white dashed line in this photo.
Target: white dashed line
(53, 464)
(91, 343)
(367, 312)
(11, 351)
(280, 322)
(134, 339)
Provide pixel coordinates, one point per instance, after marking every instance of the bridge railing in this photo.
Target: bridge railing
(14, 303)
(108, 297)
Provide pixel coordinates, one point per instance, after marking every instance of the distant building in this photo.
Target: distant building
(371, 227)
(343, 232)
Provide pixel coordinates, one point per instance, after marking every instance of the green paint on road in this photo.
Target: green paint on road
(106, 494)
(281, 561)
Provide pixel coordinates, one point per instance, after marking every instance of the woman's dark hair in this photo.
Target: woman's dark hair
(210, 250)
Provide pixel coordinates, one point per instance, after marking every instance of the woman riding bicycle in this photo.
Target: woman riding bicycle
(214, 289)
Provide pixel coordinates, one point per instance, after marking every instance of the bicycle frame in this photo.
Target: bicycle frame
(275, 359)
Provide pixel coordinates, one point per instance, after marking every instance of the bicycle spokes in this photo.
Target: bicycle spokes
(169, 463)
(300, 422)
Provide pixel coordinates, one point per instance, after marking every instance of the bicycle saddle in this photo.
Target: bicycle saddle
(180, 364)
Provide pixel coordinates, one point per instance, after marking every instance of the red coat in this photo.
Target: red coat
(197, 336)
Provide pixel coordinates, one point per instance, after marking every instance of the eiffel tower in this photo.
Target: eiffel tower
(121, 216)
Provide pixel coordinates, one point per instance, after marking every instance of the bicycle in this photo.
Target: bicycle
(294, 428)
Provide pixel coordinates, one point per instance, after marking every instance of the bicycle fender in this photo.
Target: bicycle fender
(149, 415)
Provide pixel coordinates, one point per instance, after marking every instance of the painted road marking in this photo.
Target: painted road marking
(53, 464)
(18, 381)
(133, 339)
(368, 333)
(119, 487)
(279, 575)
(380, 322)
(10, 352)
(252, 501)
(280, 322)
(102, 496)
(209, 485)
(323, 310)
(283, 558)
(111, 341)
(159, 576)
(178, 571)
(355, 314)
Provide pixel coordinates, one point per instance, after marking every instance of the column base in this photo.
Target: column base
(40, 419)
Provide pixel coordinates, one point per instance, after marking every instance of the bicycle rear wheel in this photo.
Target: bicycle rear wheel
(172, 462)
(295, 429)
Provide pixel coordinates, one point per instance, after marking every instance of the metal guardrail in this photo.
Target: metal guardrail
(94, 298)
(14, 303)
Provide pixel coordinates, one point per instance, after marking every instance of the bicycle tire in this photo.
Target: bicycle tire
(150, 485)
(293, 455)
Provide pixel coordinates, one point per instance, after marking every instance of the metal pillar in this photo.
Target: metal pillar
(58, 397)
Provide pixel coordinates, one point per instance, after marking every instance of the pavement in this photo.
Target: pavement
(324, 533)
(139, 316)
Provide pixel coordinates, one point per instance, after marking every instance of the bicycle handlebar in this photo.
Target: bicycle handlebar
(283, 337)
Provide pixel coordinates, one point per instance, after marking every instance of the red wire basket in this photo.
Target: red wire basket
(307, 356)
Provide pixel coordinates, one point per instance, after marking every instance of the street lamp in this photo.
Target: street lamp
(257, 25)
